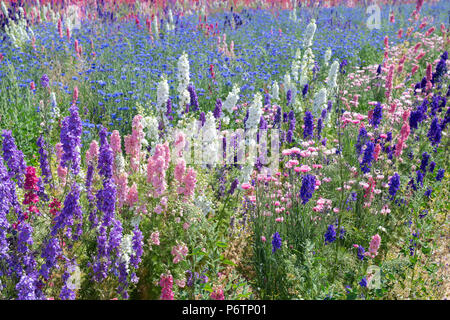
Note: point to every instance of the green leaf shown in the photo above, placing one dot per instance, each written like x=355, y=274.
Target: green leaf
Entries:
x=221, y=244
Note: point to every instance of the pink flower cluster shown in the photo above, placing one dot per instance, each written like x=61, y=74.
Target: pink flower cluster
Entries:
x=156, y=169
x=92, y=152
x=217, y=294
x=187, y=181
x=166, y=283
x=374, y=246
x=179, y=252
x=133, y=142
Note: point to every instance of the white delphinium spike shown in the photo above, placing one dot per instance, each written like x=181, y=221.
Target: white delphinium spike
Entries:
x=327, y=57
x=332, y=76
x=185, y=99
x=232, y=99
x=309, y=34
x=126, y=250
x=155, y=27
x=162, y=95
x=183, y=75
x=254, y=112
x=150, y=125
x=287, y=82
x=210, y=142
x=4, y=9
x=275, y=91
x=294, y=69
x=320, y=100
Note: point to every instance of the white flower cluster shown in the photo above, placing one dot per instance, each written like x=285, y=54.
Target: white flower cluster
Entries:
x=17, y=31
x=254, y=113
x=309, y=33
x=210, y=150
x=46, y=9
x=183, y=80
x=231, y=99
x=126, y=250
x=290, y=85
x=293, y=14
x=204, y=204
x=327, y=57
x=254, y=116
x=74, y=281
x=246, y=173
x=150, y=126
x=155, y=27
x=54, y=112
x=72, y=18
x=320, y=99
x=306, y=66
x=162, y=95
x=169, y=24
x=275, y=91
x=332, y=77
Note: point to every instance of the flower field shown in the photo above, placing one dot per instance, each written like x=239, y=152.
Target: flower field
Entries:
x=237, y=150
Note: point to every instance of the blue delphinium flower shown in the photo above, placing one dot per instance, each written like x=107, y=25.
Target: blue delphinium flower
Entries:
x=366, y=162
x=308, y=187
x=137, y=245
x=13, y=158
x=362, y=137
x=193, y=96
x=363, y=282
x=276, y=242
x=71, y=131
x=309, y=125
x=377, y=115
x=289, y=97
x=45, y=168
x=435, y=132
x=305, y=90
x=45, y=81
x=330, y=235
x=218, y=109
x=202, y=118
x=106, y=158
x=233, y=186
x=361, y=252
x=424, y=162
x=71, y=210
x=440, y=175
x=419, y=178
x=394, y=185
x=26, y=287
x=432, y=166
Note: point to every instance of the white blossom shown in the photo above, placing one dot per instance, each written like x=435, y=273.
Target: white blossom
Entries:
x=275, y=91
x=309, y=33
x=183, y=74
x=320, y=99
x=232, y=99
x=162, y=95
